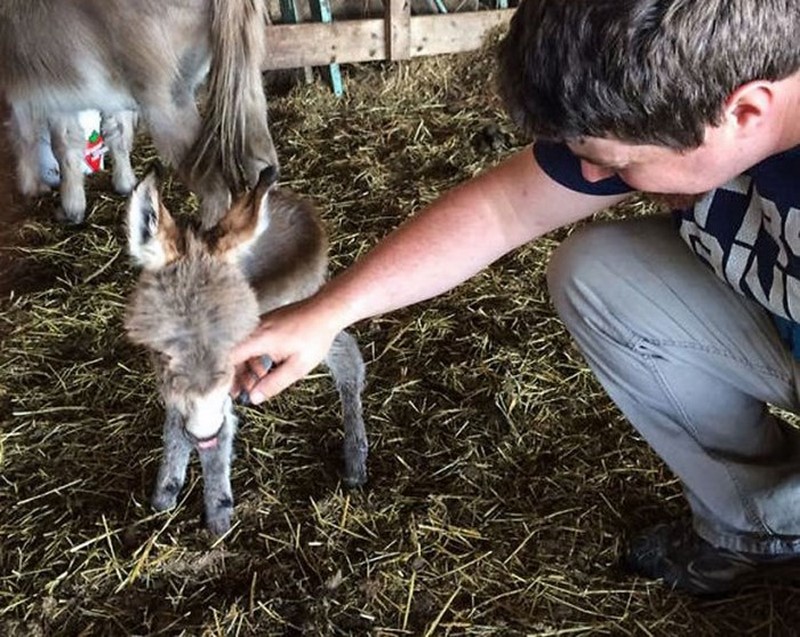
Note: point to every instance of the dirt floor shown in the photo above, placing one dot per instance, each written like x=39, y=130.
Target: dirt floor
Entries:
x=502, y=480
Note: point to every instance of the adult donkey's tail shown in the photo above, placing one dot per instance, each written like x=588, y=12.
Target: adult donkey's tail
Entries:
x=234, y=139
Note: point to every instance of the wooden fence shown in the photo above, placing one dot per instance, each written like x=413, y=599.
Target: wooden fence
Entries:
x=396, y=36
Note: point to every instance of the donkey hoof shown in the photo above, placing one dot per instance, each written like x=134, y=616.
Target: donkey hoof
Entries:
x=218, y=519
x=220, y=523
x=70, y=217
x=219, y=526
x=165, y=497
x=355, y=454
x=163, y=501
x=354, y=478
x=124, y=183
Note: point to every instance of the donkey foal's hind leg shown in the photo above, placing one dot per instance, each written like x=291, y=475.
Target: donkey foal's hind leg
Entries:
x=347, y=366
x=175, y=458
x=217, y=492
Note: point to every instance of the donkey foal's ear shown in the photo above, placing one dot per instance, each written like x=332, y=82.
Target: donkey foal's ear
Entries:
x=246, y=220
x=152, y=233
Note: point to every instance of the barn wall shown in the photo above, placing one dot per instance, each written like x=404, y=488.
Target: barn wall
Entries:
x=396, y=34
x=358, y=9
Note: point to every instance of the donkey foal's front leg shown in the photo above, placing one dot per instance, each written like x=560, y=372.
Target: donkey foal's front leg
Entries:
x=217, y=492
x=175, y=458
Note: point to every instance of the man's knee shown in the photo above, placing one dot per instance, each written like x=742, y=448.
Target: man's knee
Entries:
x=579, y=272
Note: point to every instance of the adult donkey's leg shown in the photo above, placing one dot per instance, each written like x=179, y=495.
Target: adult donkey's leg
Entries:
x=26, y=131
x=173, y=124
x=69, y=145
x=216, y=462
x=347, y=366
x=118, y=131
x=175, y=458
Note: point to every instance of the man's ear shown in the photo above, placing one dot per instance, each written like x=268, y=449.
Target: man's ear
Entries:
x=246, y=220
x=153, y=236
x=750, y=107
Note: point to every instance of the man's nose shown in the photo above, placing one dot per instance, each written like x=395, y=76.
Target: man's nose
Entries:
x=592, y=172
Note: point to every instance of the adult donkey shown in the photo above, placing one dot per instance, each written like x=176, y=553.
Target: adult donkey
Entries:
x=145, y=57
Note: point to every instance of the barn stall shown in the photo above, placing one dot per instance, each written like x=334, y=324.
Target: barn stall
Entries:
x=502, y=480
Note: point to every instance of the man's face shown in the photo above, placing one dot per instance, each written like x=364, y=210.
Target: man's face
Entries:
x=660, y=169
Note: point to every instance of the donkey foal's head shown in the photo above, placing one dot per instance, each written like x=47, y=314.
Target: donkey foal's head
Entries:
x=192, y=304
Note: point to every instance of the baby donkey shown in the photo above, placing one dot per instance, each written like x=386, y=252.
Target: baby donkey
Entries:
x=199, y=294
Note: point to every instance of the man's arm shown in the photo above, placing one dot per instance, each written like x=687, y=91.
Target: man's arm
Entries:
x=446, y=243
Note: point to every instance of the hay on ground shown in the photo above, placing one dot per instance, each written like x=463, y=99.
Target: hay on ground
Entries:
x=503, y=480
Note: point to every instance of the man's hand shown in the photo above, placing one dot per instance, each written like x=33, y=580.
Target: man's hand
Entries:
x=295, y=338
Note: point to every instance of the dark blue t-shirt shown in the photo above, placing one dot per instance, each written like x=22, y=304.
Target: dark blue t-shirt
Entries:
x=747, y=230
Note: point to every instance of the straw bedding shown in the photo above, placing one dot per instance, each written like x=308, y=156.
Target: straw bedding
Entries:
x=502, y=479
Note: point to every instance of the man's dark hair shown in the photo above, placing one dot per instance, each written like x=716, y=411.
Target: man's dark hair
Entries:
x=641, y=71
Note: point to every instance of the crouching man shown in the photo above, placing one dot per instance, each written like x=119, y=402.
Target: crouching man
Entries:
x=689, y=320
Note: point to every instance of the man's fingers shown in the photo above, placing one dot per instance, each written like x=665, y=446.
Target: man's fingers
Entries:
x=246, y=350
x=273, y=383
x=259, y=366
x=250, y=373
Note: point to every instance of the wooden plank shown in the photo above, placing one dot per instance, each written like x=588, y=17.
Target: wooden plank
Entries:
x=454, y=32
x=288, y=45
x=398, y=23
x=316, y=44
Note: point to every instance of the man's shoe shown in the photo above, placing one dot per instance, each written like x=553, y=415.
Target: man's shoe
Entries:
x=688, y=563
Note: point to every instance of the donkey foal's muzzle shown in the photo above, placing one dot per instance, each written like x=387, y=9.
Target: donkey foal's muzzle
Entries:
x=203, y=444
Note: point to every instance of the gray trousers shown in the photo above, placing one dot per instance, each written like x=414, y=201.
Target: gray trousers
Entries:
x=692, y=365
